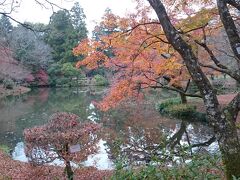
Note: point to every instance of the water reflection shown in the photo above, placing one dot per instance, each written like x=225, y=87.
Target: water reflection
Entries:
x=99, y=160
x=145, y=136
x=134, y=130
x=18, y=113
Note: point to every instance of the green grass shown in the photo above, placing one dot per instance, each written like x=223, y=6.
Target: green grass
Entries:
x=4, y=148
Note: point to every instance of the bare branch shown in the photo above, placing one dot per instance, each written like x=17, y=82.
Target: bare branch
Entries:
x=207, y=143
x=27, y=26
x=6, y=9
x=193, y=29
x=231, y=73
x=234, y=3
x=210, y=53
x=227, y=54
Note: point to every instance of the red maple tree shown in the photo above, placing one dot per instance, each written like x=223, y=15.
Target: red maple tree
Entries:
x=64, y=138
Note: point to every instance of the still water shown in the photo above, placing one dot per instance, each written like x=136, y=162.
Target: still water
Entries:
x=139, y=125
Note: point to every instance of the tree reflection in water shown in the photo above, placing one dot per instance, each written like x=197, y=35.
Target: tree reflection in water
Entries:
x=145, y=137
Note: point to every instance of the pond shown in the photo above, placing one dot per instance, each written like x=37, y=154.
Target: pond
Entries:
x=136, y=126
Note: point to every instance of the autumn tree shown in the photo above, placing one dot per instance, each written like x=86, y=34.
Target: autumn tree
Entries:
x=64, y=137
x=134, y=59
x=99, y=30
x=102, y=29
x=222, y=120
x=164, y=53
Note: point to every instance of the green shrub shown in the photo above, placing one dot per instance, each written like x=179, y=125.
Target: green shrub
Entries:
x=8, y=83
x=52, y=81
x=200, y=167
x=4, y=148
x=149, y=172
x=62, y=81
x=161, y=107
x=173, y=107
x=238, y=125
x=182, y=111
x=100, y=80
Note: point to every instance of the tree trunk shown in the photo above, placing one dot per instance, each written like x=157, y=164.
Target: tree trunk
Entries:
x=68, y=167
x=69, y=170
x=230, y=28
x=183, y=98
x=230, y=148
x=176, y=138
x=222, y=122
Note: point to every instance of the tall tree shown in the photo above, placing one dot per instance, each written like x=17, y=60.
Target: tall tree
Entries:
x=78, y=20
x=147, y=52
x=103, y=30
x=59, y=34
x=66, y=29
x=222, y=120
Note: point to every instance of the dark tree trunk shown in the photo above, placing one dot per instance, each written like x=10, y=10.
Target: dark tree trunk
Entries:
x=183, y=98
x=68, y=167
x=230, y=27
x=234, y=3
x=69, y=170
x=230, y=149
x=176, y=138
x=222, y=122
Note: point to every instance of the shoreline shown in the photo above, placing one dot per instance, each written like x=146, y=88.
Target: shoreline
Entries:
x=16, y=91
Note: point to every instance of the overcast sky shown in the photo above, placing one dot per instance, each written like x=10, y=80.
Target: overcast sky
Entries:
x=94, y=9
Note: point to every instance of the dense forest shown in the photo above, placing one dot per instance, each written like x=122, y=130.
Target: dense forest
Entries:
x=36, y=54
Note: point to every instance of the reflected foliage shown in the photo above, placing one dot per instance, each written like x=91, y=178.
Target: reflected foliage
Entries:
x=155, y=139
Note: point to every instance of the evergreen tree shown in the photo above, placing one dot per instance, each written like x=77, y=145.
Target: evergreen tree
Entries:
x=78, y=20
x=66, y=29
x=59, y=35
x=5, y=29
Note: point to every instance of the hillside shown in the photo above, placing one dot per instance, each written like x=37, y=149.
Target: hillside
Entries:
x=11, y=68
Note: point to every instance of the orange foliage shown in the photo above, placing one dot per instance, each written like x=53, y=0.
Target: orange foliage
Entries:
x=142, y=55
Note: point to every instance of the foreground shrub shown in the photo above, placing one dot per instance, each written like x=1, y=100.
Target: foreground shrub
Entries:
x=200, y=167
x=63, y=137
